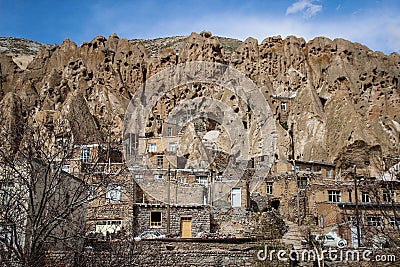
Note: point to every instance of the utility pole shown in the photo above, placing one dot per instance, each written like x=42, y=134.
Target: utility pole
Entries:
x=291, y=134
x=357, y=214
x=169, y=200
x=211, y=189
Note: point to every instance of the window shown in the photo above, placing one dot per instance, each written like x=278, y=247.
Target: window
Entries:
x=308, y=169
x=394, y=222
x=202, y=180
x=90, y=192
x=172, y=146
x=152, y=148
x=65, y=168
x=236, y=197
x=328, y=173
x=85, y=155
x=160, y=161
x=283, y=106
x=389, y=195
x=318, y=168
x=298, y=169
x=269, y=187
x=182, y=180
x=169, y=131
x=365, y=197
x=301, y=182
x=158, y=176
x=155, y=218
x=138, y=176
x=113, y=193
x=374, y=221
x=334, y=195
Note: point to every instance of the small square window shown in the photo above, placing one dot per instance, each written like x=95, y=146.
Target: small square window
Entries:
x=113, y=193
x=152, y=148
x=85, y=155
x=333, y=195
x=155, y=218
x=172, y=146
x=374, y=221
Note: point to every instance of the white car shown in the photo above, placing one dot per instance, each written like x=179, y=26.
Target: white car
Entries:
x=150, y=234
x=331, y=240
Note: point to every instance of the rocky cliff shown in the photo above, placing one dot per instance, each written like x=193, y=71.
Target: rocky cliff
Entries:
x=342, y=99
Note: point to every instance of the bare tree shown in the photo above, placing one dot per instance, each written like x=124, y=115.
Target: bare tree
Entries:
x=43, y=206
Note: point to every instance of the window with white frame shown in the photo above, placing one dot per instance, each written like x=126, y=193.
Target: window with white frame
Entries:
x=269, y=187
x=138, y=176
x=182, y=180
x=113, y=193
x=334, y=195
x=85, y=155
x=283, y=106
x=169, y=131
x=365, y=197
x=202, y=180
x=374, y=221
x=394, y=222
x=173, y=146
x=152, y=147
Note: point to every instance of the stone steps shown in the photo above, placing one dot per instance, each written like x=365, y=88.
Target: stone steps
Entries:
x=293, y=236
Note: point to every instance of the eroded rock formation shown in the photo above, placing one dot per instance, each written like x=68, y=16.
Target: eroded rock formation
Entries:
x=343, y=100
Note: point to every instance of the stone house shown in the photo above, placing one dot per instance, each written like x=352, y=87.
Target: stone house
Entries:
x=182, y=220
x=317, y=197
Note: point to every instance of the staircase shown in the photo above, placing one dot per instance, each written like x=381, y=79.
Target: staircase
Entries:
x=293, y=236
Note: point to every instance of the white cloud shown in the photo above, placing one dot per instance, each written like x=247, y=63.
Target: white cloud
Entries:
x=305, y=6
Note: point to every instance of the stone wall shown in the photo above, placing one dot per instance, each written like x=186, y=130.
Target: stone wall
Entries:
x=200, y=218
x=163, y=253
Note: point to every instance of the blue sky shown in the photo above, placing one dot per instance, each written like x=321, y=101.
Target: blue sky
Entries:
x=374, y=23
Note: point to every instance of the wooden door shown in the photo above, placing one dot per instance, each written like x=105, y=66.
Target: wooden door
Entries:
x=186, y=227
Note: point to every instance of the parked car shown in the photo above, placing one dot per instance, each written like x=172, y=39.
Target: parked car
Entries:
x=150, y=234
x=331, y=240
